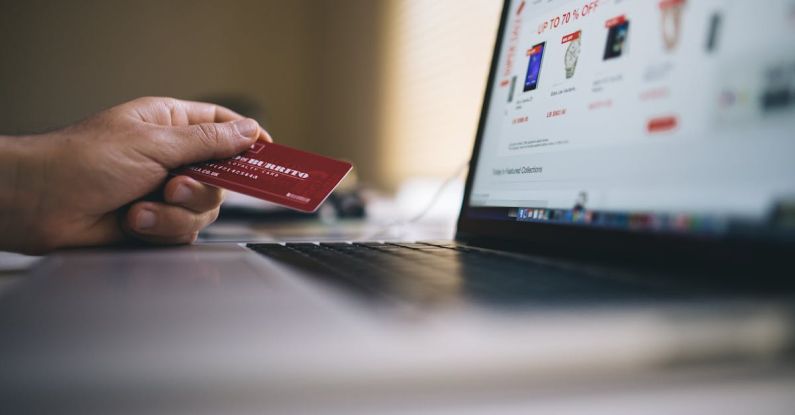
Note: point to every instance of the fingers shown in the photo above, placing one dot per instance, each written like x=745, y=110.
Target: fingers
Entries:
x=180, y=113
x=178, y=146
x=166, y=224
x=190, y=194
x=202, y=112
x=190, y=207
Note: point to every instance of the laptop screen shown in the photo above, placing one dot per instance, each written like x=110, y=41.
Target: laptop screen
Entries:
x=645, y=116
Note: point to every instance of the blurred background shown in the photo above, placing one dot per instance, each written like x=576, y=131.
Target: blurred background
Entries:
x=395, y=86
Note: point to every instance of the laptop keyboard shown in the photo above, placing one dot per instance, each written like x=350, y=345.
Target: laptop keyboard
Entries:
x=427, y=271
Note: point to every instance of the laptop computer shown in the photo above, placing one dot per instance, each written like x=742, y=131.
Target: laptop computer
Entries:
x=629, y=207
x=647, y=134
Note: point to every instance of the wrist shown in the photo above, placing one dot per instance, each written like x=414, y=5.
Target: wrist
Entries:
x=22, y=177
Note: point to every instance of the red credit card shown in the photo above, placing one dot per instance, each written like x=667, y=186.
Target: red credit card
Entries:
x=276, y=173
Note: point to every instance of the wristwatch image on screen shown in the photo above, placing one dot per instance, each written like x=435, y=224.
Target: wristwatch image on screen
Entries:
x=671, y=25
x=572, y=55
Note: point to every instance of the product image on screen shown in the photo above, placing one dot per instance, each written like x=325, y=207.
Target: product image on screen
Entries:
x=536, y=54
x=616, y=38
x=712, y=34
x=572, y=52
x=671, y=25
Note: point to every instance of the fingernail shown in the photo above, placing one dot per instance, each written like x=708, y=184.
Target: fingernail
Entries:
x=145, y=220
x=181, y=194
x=247, y=127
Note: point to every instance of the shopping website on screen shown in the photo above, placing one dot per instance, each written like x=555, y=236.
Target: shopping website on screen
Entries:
x=648, y=105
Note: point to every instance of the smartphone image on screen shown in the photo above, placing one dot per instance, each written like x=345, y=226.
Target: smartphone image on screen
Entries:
x=536, y=54
x=616, y=40
x=513, y=88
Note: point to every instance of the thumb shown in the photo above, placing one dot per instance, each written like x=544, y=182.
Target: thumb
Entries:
x=200, y=142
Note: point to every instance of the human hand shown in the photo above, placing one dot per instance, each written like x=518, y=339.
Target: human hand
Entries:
x=106, y=179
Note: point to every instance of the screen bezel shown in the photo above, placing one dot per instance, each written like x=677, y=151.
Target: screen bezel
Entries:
x=599, y=243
